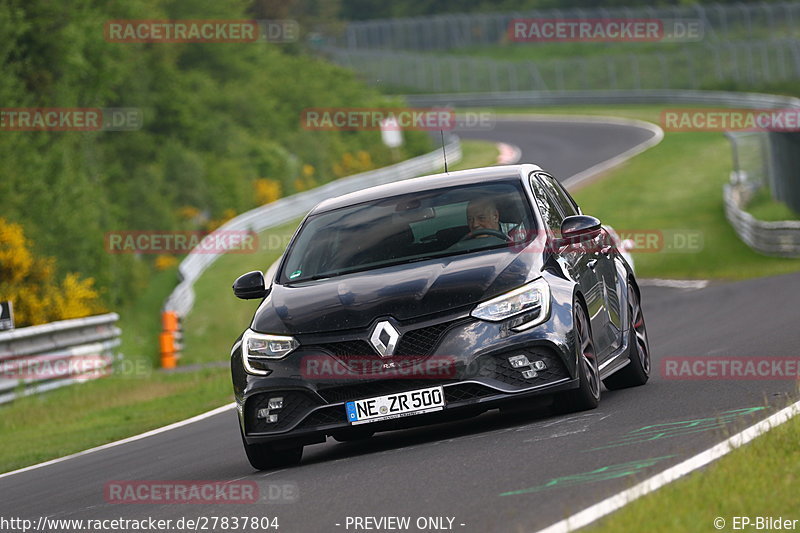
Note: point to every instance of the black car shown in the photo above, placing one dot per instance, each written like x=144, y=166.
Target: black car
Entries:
x=431, y=299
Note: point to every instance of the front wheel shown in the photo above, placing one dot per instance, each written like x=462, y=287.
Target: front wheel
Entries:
x=587, y=395
x=266, y=457
x=637, y=372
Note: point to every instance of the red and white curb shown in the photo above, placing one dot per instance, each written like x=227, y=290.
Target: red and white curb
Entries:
x=508, y=154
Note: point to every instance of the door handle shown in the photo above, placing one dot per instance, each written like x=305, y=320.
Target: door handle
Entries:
x=592, y=264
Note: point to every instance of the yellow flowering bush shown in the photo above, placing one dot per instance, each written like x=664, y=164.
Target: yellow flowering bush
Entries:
x=353, y=164
x=266, y=190
x=163, y=262
x=29, y=282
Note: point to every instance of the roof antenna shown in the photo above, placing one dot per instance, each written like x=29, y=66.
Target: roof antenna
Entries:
x=444, y=152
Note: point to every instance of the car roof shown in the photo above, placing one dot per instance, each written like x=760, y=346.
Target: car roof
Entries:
x=434, y=181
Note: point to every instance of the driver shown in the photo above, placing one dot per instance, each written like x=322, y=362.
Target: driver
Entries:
x=482, y=214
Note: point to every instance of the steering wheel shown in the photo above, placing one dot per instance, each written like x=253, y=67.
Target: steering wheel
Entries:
x=490, y=232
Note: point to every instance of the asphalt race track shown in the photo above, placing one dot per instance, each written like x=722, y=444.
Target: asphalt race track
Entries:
x=509, y=472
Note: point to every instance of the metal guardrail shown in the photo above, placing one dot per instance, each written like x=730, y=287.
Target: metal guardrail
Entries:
x=770, y=238
x=753, y=168
x=40, y=358
x=287, y=209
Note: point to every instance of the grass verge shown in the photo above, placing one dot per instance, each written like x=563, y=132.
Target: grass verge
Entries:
x=763, y=207
x=758, y=479
x=140, y=321
x=74, y=418
x=476, y=154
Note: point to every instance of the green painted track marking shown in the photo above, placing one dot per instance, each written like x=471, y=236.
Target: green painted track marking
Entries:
x=676, y=429
x=601, y=474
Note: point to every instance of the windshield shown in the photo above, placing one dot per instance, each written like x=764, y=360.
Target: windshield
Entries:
x=410, y=227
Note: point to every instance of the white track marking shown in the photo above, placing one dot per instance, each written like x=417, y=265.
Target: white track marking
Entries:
x=150, y=433
x=577, y=179
x=694, y=284
x=619, y=500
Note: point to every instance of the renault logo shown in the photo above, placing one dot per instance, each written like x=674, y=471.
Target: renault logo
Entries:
x=384, y=338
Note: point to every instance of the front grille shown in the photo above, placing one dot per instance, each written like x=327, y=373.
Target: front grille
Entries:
x=349, y=348
x=498, y=367
x=414, y=346
x=374, y=388
x=422, y=341
x=295, y=405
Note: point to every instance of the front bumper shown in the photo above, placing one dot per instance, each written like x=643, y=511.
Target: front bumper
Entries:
x=477, y=377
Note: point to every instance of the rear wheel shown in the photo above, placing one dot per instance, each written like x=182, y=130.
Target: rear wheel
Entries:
x=267, y=457
x=637, y=372
x=587, y=395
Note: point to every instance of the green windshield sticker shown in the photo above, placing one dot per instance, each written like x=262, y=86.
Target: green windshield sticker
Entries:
x=295, y=274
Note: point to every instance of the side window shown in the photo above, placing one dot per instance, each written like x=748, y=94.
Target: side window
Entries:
x=552, y=218
x=565, y=203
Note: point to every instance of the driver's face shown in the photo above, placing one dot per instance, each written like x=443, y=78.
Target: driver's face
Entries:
x=482, y=215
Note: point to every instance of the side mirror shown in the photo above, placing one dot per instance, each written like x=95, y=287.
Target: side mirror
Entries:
x=250, y=286
x=579, y=228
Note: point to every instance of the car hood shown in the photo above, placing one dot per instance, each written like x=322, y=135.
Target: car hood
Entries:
x=404, y=292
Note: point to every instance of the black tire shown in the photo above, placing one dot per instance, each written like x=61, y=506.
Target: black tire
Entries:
x=266, y=457
x=587, y=395
x=637, y=372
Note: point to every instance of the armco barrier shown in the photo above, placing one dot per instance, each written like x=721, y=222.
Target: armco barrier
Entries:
x=770, y=238
x=286, y=209
x=45, y=357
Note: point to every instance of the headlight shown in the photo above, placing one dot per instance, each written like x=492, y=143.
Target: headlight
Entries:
x=259, y=347
x=531, y=302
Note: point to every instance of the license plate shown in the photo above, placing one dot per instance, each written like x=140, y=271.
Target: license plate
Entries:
x=395, y=405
